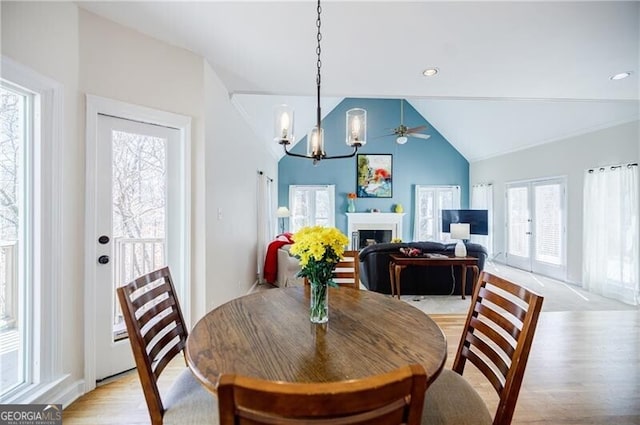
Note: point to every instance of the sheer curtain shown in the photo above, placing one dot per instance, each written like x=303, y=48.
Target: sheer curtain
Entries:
x=610, y=233
x=266, y=220
x=482, y=199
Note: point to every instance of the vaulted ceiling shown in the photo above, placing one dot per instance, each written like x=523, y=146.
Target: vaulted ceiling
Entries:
x=511, y=74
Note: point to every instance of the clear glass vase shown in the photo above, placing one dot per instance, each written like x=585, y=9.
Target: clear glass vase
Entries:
x=351, y=205
x=319, y=303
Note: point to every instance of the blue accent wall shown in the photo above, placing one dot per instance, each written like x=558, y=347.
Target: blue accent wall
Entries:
x=427, y=162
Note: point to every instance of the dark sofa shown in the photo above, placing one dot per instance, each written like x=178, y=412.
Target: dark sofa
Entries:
x=374, y=269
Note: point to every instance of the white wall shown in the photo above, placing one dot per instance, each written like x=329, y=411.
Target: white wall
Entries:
x=89, y=54
x=119, y=63
x=570, y=158
x=233, y=157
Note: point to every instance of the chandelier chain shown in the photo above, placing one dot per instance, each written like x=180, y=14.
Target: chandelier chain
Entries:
x=318, y=65
x=319, y=48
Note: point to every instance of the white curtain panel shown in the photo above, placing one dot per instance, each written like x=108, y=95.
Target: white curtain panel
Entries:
x=610, y=233
x=266, y=220
x=482, y=199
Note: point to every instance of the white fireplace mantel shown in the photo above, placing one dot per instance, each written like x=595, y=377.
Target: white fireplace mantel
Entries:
x=374, y=221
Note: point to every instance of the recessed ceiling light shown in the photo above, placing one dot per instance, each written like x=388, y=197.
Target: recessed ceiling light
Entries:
x=620, y=76
x=430, y=72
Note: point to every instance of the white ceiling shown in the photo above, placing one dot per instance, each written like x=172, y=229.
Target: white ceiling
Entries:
x=512, y=74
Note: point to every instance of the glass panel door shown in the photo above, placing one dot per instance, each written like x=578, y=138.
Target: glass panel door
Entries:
x=134, y=210
x=536, y=227
x=518, y=226
x=549, y=225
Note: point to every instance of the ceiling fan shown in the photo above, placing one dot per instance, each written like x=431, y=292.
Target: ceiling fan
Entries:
x=402, y=132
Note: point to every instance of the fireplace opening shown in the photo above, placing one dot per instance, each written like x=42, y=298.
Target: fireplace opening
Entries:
x=371, y=237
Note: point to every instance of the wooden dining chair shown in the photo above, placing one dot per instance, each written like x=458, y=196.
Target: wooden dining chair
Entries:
x=158, y=333
x=347, y=271
x=496, y=339
x=391, y=399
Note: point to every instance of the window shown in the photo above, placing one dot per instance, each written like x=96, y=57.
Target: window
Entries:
x=16, y=137
x=430, y=201
x=30, y=223
x=482, y=199
x=311, y=206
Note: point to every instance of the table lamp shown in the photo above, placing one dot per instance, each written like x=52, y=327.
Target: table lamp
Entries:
x=282, y=213
x=460, y=231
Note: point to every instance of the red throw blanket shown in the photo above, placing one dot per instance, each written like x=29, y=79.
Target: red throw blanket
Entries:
x=271, y=260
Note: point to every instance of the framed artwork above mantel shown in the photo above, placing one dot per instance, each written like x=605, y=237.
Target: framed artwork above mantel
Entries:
x=374, y=174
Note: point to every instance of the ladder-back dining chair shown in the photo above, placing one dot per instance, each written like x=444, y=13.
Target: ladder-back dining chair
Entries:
x=347, y=271
x=158, y=333
x=496, y=339
x=393, y=398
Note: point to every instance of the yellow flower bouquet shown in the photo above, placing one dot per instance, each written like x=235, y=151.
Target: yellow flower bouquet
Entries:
x=319, y=249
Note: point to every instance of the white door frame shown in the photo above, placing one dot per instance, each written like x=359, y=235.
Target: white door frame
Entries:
x=100, y=105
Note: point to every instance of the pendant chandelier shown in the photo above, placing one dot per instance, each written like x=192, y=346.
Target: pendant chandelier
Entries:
x=356, y=121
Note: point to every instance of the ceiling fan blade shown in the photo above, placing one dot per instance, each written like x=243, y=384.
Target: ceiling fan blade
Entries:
x=419, y=135
x=418, y=128
x=383, y=135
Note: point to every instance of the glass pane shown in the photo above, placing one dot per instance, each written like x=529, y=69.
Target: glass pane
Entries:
x=322, y=207
x=13, y=141
x=299, y=210
x=548, y=203
x=139, y=208
x=445, y=202
x=426, y=211
x=518, y=211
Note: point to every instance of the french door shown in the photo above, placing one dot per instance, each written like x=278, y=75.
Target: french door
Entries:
x=137, y=208
x=536, y=223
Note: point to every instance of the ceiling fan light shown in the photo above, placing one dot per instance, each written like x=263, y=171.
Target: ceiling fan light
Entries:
x=401, y=140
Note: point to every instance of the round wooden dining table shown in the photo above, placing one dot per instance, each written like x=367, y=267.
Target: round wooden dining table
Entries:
x=268, y=335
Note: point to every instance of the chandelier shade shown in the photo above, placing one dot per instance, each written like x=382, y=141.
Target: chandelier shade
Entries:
x=356, y=127
x=283, y=124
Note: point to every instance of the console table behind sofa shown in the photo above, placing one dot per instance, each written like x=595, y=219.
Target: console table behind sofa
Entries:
x=374, y=269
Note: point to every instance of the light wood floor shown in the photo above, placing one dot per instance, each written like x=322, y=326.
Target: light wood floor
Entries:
x=584, y=368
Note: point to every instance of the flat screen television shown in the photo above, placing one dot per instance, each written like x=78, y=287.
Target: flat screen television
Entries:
x=478, y=220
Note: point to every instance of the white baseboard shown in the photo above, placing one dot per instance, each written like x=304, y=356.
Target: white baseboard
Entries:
x=58, y=392
x=254, y=286
x=69, y=394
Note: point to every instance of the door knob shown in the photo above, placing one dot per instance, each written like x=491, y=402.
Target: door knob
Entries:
x=528, y=233
x=103, y=259
x=104, y=239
